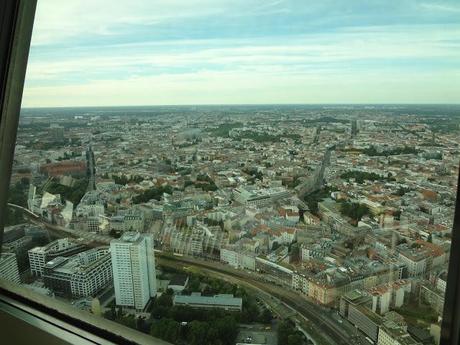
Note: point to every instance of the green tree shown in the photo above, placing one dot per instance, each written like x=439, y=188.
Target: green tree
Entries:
x=128, y=321
x=266, y=316
x=72, y=194
x=119, y=312
x=166, y=329
x=197, y=332
x=430, y=238
x=172, y=331
x=295, y=339
x=227, y=329
x=165, y=300
x=159, y=311
x=361, y=176
x=354, y=210
x=284, y=331
x=152, y=193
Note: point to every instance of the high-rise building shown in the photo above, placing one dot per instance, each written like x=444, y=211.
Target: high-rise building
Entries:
x=354, y=128
x=133, y=265
x=56, y=132
x=9, y=268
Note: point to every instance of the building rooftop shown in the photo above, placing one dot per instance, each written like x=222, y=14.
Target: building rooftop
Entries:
x=356, y=296
x=79, y=262
x=224, y=299
x=130, y=237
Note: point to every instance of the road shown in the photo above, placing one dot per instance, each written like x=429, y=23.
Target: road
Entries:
x=317, y=180
x=91, y=169
x=308, y=314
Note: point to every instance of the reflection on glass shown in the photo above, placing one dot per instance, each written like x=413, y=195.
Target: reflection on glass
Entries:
x=223, y=224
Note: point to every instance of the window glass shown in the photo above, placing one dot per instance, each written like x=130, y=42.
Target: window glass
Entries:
x=259, y=172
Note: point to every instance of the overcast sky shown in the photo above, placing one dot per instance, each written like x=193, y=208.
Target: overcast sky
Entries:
x=149, y=52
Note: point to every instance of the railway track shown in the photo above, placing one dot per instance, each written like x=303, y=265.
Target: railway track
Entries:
x=311, y=313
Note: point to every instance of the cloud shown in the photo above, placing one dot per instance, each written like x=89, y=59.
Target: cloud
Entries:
x=442, y=6
x=320, y=50
x=242, y=88
x=59, y=21
x=186, y=48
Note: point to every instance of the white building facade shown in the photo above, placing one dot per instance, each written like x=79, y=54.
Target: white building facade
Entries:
x=37, y=260
x=133, y=265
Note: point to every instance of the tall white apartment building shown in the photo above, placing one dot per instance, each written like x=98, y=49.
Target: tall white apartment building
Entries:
x=9, y=268
x=133, y=264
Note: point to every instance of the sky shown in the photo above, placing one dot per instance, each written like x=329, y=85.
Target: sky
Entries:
x=173, y=52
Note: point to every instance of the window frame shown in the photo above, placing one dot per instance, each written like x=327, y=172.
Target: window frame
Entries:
x=63, y=321
x=450, y=327
x=16, y=23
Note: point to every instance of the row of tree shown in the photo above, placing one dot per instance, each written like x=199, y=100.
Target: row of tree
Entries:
x=372, y=151
x=123, y=179
x=361, y=176
x=221, y=331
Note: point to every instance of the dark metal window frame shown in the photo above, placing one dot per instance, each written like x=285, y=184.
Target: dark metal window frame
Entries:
x=16, y=22
x=63, y=321
x=450, y=328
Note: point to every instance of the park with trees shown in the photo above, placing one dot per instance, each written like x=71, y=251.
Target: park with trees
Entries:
x=361, y=176
x=354, y=210
x=184, y=325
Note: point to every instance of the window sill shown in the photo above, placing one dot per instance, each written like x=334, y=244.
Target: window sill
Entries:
x=63, y=322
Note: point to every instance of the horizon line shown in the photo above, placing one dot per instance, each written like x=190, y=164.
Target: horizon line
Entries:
x=241, y=104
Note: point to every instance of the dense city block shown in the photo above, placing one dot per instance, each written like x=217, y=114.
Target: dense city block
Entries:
x=275, y=220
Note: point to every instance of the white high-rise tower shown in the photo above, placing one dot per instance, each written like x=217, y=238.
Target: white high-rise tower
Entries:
x=133, y=263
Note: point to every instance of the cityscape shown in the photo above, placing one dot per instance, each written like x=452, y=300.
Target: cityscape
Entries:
x=239, y=224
